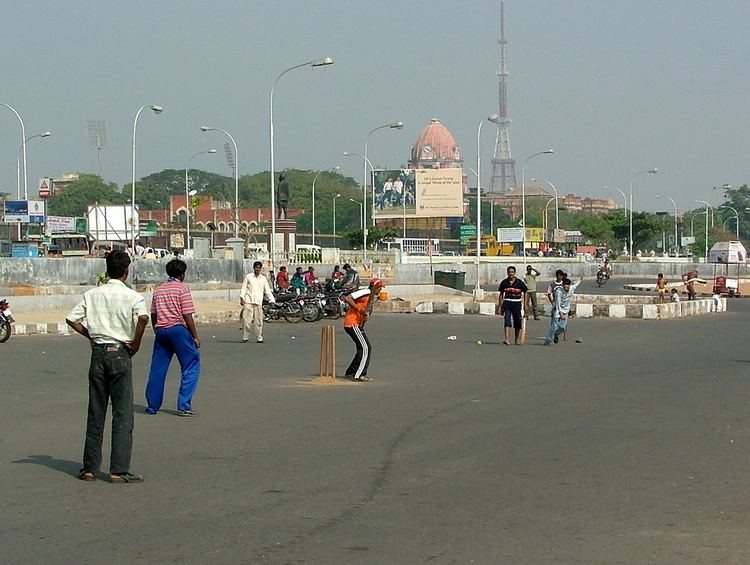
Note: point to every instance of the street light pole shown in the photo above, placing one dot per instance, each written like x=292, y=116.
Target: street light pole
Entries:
x=313, y=201
x=236, y=177
x=546, y=209
x=334, y=217
x=314, y=63
x=23, y=145
x=362, y=223
x=188, y=194
x=676, y=212
x=523, y=197
x=478, y=294
x=630, y=229
x=557, y=207
x=708, y=206
x=18, y=161
x=736, y=217
x=156, y=110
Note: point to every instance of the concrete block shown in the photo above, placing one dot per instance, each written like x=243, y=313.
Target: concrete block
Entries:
x=617, y=311
x=41, y=328
x=63, y=329
x=456, y=308
x=585, y=310
x=19, y=329
x=424, y=308
x=634, y=310
x=440, y=307
x=650, y=312
x=487, y=308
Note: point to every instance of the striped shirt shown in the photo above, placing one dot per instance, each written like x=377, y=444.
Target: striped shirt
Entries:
x=171, y=301
x=110, y=312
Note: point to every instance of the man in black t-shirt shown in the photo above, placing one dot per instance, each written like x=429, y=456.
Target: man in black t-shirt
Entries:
x=512, y=295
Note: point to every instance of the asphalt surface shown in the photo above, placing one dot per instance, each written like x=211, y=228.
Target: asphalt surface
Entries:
x=630, y=447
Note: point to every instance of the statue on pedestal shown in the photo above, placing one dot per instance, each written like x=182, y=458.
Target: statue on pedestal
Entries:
x=282, y=197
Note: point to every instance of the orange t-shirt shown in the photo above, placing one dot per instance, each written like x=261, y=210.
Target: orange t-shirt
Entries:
x=354, y=318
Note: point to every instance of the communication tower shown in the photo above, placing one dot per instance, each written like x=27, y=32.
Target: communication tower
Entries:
x=503, y=164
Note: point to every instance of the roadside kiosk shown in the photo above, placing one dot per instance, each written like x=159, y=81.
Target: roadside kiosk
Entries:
x=722, y=255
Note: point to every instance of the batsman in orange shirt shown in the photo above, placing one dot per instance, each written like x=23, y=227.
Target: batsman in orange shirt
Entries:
x=360, y=307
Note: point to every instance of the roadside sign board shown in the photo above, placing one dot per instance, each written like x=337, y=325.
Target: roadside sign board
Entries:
x=147, y=227
x=509, y=235
x=61, y=224
x=45, y=187
x=687, y=240
x=466, y=232
x=24, y=211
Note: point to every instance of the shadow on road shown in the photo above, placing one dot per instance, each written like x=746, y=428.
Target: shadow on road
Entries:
x=63, y=465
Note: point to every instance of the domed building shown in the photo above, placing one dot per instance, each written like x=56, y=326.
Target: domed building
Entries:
x=435, y=148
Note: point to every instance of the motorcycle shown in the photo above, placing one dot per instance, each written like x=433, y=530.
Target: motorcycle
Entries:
x=601, y=277
x=333, y=304
x=6, y=319
x=287, y=306
x=312, y=307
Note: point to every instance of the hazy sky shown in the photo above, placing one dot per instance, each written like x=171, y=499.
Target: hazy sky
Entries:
x=614, y=87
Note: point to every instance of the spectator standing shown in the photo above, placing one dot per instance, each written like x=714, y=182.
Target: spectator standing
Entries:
x=555, y=284
x=115, y=319
x=530, y=281
x=254, y=288
x=172, y=312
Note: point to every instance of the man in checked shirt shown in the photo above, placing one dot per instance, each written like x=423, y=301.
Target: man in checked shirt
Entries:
x=115, y=318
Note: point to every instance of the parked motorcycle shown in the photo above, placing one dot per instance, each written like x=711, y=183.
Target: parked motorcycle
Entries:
x=312, y=307
x=6, y=319
x=288, y=306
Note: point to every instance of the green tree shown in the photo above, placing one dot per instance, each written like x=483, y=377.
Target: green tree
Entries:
x=87, y=190
x=375, y=236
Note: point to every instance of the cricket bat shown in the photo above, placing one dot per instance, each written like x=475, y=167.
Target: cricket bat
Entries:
x=522, y=337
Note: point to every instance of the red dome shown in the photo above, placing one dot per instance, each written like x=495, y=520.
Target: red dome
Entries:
x=435, y=147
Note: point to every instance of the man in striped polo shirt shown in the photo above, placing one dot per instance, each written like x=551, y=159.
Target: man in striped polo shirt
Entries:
x=512, y=294
x=360, y=305
x=172, y=312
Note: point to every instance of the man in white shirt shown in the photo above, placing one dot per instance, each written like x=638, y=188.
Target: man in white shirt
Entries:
x=254, y=288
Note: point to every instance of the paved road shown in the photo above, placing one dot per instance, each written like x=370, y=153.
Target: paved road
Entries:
x=631, y=447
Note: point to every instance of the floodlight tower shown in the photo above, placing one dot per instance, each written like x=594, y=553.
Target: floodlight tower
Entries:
x=503, y=178
x=98, y=140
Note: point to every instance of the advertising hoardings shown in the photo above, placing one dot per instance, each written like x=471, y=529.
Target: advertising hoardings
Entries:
x=24, y=211
x=421, y=193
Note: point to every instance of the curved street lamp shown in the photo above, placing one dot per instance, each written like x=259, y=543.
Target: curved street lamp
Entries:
x=18, y=161
x=236, y=177
x=630, y=229
x=523, y=197
x=336, y=168
x=478, y=294
x=736, y=217
x=394, y=125
x=189, y=194
x=23, y=145
x=676, y=212
x=334, y=216
x=156, y=110
x=325, y=61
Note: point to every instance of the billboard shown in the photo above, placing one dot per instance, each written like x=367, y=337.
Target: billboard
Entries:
x=61, y=224
x=24, y=211
x=112, y=223
x=421, y=193
x=509, y=235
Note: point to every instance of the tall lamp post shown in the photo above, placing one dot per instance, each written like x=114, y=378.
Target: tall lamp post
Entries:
x=23, y=146
x=314, y=63
x=236, y=177
x=557, y=207
x=546, y=209
x=708, y=206
x=630, y=223
x=737, y=219
x=394, y=125
x=18, y=161
x=478, y=293
x=313, y=200
x=676, y=212
x=523, y=197
x=334, y=216
x=156, y=110
x=189, y=194
x=362, y=223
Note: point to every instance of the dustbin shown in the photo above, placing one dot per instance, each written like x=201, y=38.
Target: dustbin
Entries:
x=451, y=279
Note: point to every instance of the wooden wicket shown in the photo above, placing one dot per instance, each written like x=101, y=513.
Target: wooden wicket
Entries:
x=328, y=351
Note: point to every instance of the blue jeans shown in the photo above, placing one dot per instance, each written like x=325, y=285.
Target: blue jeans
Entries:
x=110, y=378
x=557, y=326
x=175, y=340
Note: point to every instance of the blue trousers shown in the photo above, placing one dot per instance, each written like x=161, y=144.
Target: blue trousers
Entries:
x=557, y=326
x=175, y=340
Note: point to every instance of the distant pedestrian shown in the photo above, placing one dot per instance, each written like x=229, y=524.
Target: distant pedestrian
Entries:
x=561, y=303
x=555, y=284
x=172, y=312
x=675, y=296
x=531, y=298
x=351, y=278
x=360, y=307
x=510, y=303
x=254, y=288
x=116, y=318
x=661, y=287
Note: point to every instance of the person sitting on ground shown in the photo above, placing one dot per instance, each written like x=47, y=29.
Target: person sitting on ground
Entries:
x=675, y=296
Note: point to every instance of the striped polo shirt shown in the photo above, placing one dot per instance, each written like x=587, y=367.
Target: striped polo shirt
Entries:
x=171, y=301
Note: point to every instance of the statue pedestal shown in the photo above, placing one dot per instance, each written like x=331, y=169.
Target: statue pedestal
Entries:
x=286, y=240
